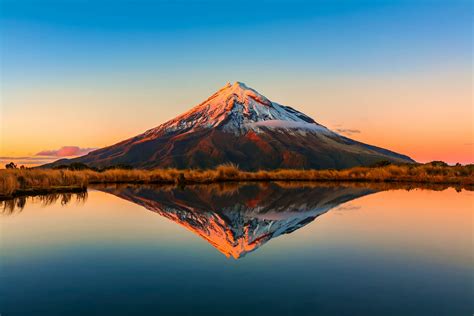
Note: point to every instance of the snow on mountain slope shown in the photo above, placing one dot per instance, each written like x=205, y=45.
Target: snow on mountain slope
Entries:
x=236, y=108
x=289, y=125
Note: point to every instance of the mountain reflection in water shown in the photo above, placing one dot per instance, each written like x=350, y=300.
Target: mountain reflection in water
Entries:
x=238, y=219
x=235, y=218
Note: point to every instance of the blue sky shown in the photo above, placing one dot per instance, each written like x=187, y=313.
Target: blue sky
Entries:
x=60, y=38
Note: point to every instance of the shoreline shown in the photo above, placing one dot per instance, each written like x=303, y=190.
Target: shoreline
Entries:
x=27, y=182
x=388, y=185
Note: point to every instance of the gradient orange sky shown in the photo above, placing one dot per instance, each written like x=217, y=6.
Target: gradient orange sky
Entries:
x=387, y=75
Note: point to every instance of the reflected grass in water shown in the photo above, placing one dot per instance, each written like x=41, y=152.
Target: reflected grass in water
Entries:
x=9, y=207
x=17, y=204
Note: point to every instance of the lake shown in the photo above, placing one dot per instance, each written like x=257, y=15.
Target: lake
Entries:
x=248, y=249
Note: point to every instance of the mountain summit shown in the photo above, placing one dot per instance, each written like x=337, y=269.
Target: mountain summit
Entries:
x=239, y=125
x=235, y=108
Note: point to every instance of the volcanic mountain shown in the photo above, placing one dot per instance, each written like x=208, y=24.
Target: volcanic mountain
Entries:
x=239, y=125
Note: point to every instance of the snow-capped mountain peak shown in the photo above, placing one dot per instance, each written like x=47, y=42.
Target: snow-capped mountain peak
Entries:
x=237, y=108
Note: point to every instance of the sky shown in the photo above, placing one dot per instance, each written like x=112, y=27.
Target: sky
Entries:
x=77, y=75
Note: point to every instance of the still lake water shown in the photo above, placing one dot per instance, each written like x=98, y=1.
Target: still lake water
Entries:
x=254, y=249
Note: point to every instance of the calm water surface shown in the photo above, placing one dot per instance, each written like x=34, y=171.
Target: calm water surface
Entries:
x=266, y=249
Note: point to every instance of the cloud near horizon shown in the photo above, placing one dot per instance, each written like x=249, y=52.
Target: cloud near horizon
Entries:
x=348, y=131
x=65, y=151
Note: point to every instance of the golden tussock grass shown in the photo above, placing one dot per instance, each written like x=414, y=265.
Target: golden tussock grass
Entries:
x=22, y=181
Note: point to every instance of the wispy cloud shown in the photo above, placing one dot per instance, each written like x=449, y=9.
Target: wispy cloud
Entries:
x=340, y=210
x=348, y=207
x=348, y=131
x=24, y=158
x=66, y=151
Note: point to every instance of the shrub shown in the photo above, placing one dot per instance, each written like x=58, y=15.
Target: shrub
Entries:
x=438, y=163
x=11, y=165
